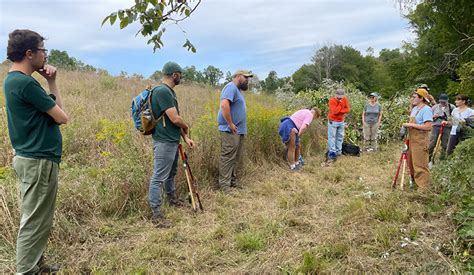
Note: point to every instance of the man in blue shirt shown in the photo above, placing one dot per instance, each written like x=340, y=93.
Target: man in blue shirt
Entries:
x=232, y=124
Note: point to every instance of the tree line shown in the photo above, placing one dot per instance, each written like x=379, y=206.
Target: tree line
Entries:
x=442, y=57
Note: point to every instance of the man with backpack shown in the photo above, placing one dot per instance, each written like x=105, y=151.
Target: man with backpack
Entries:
x=441, y=112
x=33, y=126
x=166, y=137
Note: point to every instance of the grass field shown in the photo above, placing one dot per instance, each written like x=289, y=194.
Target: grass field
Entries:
x=344, y=218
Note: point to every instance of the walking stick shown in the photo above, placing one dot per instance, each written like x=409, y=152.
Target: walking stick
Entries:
x=438, y=143
x=192, y=185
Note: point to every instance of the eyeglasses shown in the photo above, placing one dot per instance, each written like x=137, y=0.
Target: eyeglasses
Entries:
x=43, y=50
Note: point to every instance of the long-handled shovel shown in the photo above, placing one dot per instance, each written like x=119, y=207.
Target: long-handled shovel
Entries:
x=438, y=143
x=192, y=185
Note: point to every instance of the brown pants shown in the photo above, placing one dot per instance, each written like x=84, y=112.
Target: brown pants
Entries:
x=418, y=157
x=231, y=156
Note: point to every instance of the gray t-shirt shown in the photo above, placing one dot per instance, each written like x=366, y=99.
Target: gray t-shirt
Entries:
x=443, y=112
x=372, y=113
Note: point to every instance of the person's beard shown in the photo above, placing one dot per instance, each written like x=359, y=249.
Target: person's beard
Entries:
x=39, y=66
x=244, y=86
x=177, y=81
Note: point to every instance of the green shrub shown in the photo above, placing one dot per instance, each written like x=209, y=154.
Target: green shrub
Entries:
x=454, y=185
x=262, y=143
x=394, y=109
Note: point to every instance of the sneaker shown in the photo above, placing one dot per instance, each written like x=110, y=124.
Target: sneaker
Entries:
x=295, y=169
x=159, y=220
x=301, y=160
x=299, y=166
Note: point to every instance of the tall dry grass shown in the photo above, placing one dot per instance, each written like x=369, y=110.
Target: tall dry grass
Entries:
x=107, y=164
x=341, y=219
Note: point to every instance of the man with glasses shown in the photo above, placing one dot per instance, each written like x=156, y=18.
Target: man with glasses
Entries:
x=166, y=138
x=33, y=126
x=232, y=124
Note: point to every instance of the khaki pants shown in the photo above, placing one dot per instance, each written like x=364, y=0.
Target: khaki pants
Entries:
x=231, y=157
x=38, y=180
x=418, y=157
x=370, y=135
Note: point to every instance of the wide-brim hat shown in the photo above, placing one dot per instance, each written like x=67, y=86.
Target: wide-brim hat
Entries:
x=423, y=93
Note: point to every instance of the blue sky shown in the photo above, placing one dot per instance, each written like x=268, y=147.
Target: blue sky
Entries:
x=260, y=35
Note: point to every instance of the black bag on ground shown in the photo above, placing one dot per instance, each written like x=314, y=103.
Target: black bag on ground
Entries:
x=350, y=150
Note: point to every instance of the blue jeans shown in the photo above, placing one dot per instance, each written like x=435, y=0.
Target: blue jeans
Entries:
x=335, y=138
x=165, y=165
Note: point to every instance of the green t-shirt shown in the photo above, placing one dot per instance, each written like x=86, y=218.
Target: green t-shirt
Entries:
x=33, y=133
x=162, y=99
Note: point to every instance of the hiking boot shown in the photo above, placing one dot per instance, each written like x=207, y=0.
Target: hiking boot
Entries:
x=175, y=202
x=328, y=162
x=48, y=269
x=159, y=220
x=236, y=185
x=227, y=190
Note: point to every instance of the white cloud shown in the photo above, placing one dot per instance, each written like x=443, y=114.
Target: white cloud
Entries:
x=256, y=34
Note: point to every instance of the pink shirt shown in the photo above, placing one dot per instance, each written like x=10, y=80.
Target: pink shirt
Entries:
x=302, y=117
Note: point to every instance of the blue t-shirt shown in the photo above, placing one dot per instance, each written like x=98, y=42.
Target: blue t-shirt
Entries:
x=238, y=110
x=423, y=115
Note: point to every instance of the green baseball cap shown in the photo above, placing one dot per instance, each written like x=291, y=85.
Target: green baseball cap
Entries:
x=171, y=67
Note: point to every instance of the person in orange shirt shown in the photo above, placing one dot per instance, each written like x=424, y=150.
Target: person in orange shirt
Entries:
x=338, y=108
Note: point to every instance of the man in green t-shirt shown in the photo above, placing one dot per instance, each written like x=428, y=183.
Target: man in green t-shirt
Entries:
x=166, y=139
x=33, y=126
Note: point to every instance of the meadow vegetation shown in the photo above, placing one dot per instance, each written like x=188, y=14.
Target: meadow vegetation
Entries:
x=344, y=218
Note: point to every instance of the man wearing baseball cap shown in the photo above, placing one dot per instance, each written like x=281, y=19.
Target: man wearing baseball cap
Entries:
x=419, y=127
x=166, y=139
x=441, y=112
x=232, y=125
x=338, y=108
